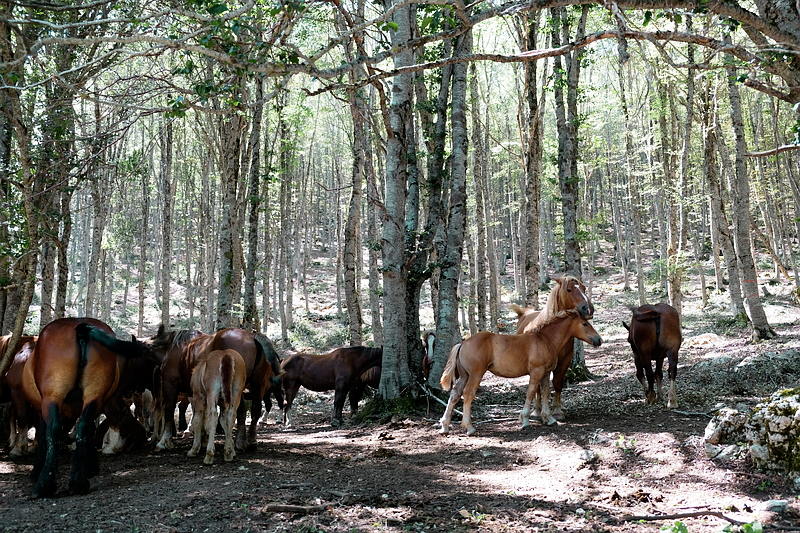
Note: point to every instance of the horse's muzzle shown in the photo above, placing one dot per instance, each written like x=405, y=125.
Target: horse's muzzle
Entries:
x=597, y=341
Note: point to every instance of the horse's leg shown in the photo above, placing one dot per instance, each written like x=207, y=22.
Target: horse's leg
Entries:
x=559, y=378
x=228, y=417
x=340, y=395
x=544, y=392
x=640, y=372
x=198, y=414
x=241, y=426
x=650, y=394
x=659, y=374
x=525, y=414
x=255, y=414
x=41, y=449
x=46, y=482
x=84, y=449
x=355, y=396
x=455, y=395
x=211, y=417
x=672, y=373
x=470, y=388
x=291, y=389
x=169, y=398
x=182, y=424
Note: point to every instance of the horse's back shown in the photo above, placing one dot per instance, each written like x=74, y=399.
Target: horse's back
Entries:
x=655, y=328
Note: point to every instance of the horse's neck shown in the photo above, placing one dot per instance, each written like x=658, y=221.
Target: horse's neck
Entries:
x=557, y=334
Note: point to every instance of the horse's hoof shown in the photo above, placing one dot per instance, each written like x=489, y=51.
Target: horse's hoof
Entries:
x=208, y=459
x=79, y=486
x=230, y=456
x=44, y=491
x=524, y=424
x=550, y=421
x=191, y=453
x=672, y=404
x=444, y=431
x=470, y=431
x=336, y=422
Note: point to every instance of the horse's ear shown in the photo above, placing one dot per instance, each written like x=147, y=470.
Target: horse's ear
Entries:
x=133, y=338
x=160, y=330
x=557, y=279
x=626, y=326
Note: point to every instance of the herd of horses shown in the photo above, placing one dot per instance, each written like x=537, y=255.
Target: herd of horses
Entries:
x=76, y=373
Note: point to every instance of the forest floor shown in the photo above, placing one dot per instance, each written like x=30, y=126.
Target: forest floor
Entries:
x=614, y=456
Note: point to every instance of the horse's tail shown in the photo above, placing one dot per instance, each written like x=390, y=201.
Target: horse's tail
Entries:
x=264, y=347
x=226, y=374
x=517, y=309
x=450, y=371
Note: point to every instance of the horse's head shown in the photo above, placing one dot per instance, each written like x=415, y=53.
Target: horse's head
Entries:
x=572, y=295
x=164, y=340
x=582, y=329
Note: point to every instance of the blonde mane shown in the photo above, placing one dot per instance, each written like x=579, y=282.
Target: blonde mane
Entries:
x=553, y=305
x=560, y=315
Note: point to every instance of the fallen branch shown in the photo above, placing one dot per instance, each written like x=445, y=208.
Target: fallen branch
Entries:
x=430, y=394
x=300, y=509
x=650, y=518
x=692, y=413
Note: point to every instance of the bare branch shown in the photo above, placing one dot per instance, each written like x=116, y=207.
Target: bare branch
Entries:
x=775, y=151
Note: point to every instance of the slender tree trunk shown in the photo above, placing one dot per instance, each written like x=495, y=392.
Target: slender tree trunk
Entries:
x=167, y=195
x=250, y=319
x=740, y=192
x=230, y=128
x=447, y=326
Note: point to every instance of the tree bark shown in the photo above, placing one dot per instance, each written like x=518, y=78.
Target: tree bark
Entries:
x=250, y=319
x=167, y=193
x=740, y=192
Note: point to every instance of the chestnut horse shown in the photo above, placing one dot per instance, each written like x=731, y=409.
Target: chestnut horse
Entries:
x=21, y=416
x=340, y=370
x=655, y=333
x=569, y=293
x=510, y=356
x=182, y=351
x=218, y=377
x=72, y=373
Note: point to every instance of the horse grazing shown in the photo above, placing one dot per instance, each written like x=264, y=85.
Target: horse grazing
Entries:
x=511, y=356
x=21, y=415
x=73, y=372
x=655, y=333
x=218, y=377
x=183, y=349
x=569, y=293
x=340, y=370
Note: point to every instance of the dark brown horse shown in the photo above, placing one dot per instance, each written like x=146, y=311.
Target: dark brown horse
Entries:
x=72, y=374
x=569, y=293
x=21, y=415
x=183, y=349
x=511, y=356
x=340, y=370
x=655, y=333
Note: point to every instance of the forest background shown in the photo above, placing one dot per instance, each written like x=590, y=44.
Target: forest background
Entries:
x=194, y=163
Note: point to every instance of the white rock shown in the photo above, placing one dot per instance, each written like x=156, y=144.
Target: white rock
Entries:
x=776, y=506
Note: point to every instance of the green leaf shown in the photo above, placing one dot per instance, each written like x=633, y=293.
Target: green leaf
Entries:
x=217, y=9
x=647, y=16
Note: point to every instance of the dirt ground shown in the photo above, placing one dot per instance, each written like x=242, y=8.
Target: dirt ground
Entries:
x=613, y=457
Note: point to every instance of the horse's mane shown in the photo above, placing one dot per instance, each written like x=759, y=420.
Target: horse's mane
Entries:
x=551, y=308
x=560, y=315
x=184, y=336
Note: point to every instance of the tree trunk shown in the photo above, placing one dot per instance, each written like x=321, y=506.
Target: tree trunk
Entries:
x=167, y=192
x=447, y=326
x=230, y=128
x=740, y=192
x=395, y=374
x=250, y=319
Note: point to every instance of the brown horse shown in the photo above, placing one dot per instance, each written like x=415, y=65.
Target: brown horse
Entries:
x=182, y=350
x=218, y=378
x=569, y=293
x=511, y=356
x=655, y=333
x=72, y=373
x=340, y=370
x=21, y=416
